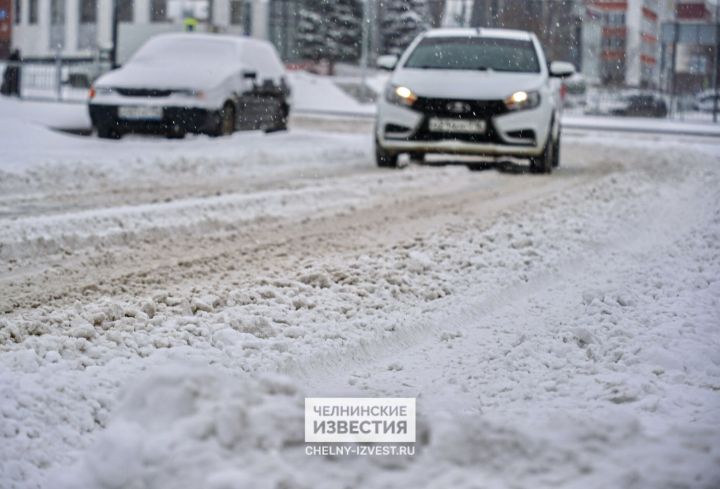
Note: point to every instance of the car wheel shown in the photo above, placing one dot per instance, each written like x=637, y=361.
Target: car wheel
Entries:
x=224, y=121
x=281, y=119
x=176, y=132
x=385, y=159
x=544, y=162
x=108, y=132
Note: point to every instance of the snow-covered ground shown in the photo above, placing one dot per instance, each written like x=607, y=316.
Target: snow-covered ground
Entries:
x=166, y=305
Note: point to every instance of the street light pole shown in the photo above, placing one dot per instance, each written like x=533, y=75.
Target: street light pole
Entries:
x=717, y=61
x=365, y=52
x=115, y=21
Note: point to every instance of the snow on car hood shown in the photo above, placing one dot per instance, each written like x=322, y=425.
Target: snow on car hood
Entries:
x=167, y=76
x=477, y=85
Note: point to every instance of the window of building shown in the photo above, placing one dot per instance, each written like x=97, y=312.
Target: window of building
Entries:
x=158, y=10
x=247, y=19
x=613, y=43
x=88, y=11
x=18, y=11
x=57, y=12
x=33, y=12
x=614, y=19
x=236, y=12
x=126, y=10
x=698, y=64
x=57, y=24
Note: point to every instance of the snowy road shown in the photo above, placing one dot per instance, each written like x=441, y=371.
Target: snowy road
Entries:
x=166, y=306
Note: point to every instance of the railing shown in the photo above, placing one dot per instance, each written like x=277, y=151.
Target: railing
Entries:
x=66, y=80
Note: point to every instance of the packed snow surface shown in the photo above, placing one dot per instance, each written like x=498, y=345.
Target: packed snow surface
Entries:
x=167, y=305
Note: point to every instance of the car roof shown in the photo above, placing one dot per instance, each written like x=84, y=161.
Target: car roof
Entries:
x=480, y=32
x=239, y=40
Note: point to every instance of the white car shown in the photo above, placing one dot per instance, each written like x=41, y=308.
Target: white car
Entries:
x=705, y=101
x=471, y=91
x=189, y=82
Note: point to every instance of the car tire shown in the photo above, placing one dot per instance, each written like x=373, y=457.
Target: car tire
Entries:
x=108, y=132
x=281, y=120
x=224, y=121
x=545, y=162
x=384, y=158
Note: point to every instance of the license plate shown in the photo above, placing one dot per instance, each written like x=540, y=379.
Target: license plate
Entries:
x=145, y=113
x=457, y=125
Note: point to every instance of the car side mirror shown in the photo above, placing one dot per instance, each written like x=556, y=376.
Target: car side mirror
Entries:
x=250, y=75
x=387, y=62
x=561, y=69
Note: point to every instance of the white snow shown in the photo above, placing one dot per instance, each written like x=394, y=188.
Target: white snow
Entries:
x=316, y=93
x=564, y=335
x=194, y=61
x=62, y=115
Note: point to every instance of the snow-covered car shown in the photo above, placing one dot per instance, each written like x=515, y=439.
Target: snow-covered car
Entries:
x=640, y=105
x=201, y=83
x=705, y=101
x=471, y=91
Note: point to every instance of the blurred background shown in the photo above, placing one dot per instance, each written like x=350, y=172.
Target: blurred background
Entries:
x=656, y=58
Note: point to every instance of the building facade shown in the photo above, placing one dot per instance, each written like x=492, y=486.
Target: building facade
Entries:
x=5, y=28
x=557, y=23
x=83, y=28
x=621, y=42
x=693, y=39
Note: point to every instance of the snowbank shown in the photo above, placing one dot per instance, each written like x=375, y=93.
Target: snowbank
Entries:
x=56, y=115
x=319, y=93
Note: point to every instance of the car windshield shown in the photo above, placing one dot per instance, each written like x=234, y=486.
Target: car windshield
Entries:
x=169, y=50
x=475, y=53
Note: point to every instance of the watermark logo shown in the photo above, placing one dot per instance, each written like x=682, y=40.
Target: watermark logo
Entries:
x=359, y=420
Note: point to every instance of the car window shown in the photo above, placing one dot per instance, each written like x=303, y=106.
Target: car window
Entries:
x=475, y=53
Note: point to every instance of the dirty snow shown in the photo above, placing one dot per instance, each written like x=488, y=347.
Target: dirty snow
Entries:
x=167, y=306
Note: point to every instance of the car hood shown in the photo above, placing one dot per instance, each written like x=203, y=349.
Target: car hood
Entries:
x=471, y=85
x=166, y=76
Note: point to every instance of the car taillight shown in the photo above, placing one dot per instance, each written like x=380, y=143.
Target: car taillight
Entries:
x=91, y=93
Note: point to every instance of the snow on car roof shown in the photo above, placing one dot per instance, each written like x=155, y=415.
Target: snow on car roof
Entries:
x=200, y=36
x=238, y=40
x=480, y=32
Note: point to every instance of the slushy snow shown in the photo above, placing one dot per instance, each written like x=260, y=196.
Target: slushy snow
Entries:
x=557, y=336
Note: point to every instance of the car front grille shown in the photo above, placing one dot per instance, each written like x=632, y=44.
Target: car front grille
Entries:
x=143, y=92
x=461, y=109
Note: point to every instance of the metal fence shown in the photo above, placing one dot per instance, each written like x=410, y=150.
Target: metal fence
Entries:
x=66, y=80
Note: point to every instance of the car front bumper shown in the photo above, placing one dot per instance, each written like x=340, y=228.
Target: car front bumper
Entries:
x=460, y=147
x=516, y=134
x=174, y=119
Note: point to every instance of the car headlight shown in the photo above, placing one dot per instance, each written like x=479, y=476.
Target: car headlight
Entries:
x=400, y=95
x=190, y=93
x=522, y=100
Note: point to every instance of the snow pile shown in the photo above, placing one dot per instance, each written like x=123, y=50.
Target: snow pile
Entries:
x=61, y=115
x=313, y=93
x=189, y=426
